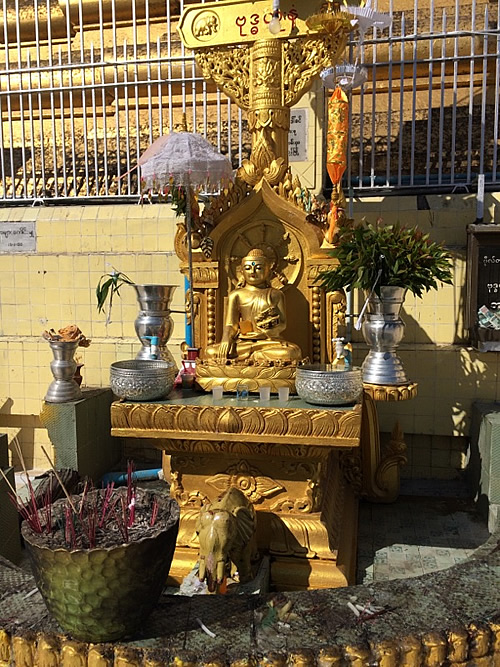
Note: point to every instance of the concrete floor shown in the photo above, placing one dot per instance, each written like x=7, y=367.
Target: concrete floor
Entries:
x=432, y=526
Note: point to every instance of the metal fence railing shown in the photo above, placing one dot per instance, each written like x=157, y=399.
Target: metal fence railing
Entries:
x=87, y=85
x=428, y=115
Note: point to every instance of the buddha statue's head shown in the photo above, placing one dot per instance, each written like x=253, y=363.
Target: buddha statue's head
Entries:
x=256, y=268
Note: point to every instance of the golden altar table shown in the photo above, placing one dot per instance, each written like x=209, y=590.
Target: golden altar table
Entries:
x=302, y=466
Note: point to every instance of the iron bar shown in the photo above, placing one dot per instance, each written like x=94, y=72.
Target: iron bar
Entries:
x=84, y=97
x=103, y=96
x=389, y=100
x=373, y=114
x=484, y=91
x=71, y=99
x=116, y=98
x=454, y=103
x=471, y=95
x=401, y=103
x=496, y=120
x=429, y=98
x=9, y=109
x=441, y=103
x=21, y=100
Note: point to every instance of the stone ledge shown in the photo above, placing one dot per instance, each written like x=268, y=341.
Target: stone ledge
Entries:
x=450, y=616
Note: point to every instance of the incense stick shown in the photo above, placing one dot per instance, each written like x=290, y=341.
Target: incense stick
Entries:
x=19, y=453
x=10, y=485
x=59, y=480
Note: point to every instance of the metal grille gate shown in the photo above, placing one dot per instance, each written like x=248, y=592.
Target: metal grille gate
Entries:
x=87, y=85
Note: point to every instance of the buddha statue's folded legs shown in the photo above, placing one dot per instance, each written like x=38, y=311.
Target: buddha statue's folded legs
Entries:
x=267, y=350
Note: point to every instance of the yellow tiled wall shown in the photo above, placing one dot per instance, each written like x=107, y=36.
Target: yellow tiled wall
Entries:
x=56, y=286
x=77, y=244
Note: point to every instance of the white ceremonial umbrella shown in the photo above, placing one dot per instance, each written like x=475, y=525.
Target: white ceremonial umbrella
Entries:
x=366, y=17
x=347, y=76
x=188, y=160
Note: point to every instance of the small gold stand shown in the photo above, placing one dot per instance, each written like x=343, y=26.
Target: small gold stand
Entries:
x=392, y=392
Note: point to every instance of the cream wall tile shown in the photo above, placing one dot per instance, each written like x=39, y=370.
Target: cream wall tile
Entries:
x=150, y=212
x=88, y=227
x=21, y=278
x=424, y=405
x=89, y=212
x=150, y=242
x=444, y=333
x=421, y=457
x=8, y=292
x=134, y=226
x=8, y=280
x=16, y=214
x=136, y=242
x=32, y=406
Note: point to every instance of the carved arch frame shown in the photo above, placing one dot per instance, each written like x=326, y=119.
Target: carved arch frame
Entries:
x=264, y=218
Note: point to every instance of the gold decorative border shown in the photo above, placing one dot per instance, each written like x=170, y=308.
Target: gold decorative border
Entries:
x=392, y=392
x=252, y=449
x=329, y=428
x=476, y=643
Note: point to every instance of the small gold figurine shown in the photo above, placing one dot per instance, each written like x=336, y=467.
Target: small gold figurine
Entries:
x=339, y=361
x=226, y=530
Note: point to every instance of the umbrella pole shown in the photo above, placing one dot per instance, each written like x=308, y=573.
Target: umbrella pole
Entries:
x=190, y=261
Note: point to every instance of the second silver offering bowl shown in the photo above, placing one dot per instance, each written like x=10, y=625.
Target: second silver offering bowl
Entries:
x=324, y=384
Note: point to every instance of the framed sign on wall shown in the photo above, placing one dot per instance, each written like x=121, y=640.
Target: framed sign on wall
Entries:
x=483, y=286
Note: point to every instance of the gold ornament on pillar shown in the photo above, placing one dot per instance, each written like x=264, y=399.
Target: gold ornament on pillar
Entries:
x=336, y=158
x=268, y=73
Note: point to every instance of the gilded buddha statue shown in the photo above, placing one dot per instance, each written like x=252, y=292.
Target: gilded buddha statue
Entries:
x=255, y=318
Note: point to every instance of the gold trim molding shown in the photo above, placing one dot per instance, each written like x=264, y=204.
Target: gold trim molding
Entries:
x=235, y=448
x=473, y=643
x=320, y=427
x=391, y=392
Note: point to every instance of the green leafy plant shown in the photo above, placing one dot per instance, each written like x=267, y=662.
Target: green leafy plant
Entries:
x=109, y=284
x=370, y=256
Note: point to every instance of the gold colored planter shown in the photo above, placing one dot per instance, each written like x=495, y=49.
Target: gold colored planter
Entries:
x=104, y=594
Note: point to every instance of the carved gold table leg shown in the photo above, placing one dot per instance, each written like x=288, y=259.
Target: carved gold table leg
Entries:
x=380, y=470
x=5, y=652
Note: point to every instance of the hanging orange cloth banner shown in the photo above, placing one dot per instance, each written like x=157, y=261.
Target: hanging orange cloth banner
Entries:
x=337, y=136
x=336, y=156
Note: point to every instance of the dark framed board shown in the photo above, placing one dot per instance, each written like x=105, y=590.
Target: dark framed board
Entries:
x=483, y=286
